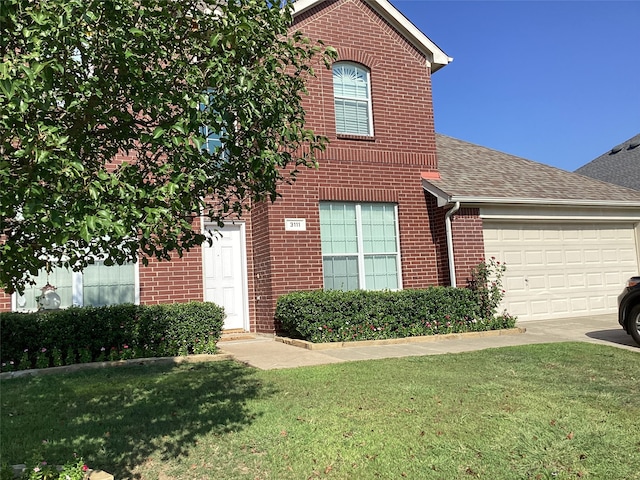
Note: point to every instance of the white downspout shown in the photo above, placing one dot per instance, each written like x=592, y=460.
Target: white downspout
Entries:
x=447, y=226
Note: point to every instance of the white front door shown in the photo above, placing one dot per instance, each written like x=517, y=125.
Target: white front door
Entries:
x=225, y=275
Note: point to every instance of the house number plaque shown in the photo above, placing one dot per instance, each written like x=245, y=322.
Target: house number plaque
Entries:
x=295, y=224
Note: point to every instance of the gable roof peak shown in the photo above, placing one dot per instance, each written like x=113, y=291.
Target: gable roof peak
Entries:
x=435, y=55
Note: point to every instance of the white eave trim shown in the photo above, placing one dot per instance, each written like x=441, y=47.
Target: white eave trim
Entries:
x=446, y=199
x=436, y=56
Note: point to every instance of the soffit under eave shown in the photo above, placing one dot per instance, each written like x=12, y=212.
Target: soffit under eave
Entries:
x=441, y=196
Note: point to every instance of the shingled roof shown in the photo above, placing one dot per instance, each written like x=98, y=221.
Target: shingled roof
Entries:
x=620, y=165
x=471, y=173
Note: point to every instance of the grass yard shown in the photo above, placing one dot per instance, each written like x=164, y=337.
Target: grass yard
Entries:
x=555, y=411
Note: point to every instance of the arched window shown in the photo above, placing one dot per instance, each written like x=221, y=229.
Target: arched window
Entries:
x=352, y=97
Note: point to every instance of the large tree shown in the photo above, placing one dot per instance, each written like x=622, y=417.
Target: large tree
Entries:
x=85, y=84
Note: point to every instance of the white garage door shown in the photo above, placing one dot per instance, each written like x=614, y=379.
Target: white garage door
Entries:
x=557, y=270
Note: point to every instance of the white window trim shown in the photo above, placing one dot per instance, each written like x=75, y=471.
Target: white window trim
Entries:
x=369, y=99
x=360, y=255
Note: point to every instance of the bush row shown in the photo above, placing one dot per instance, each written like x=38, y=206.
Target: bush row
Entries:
x=330, y=316
x=89, y=334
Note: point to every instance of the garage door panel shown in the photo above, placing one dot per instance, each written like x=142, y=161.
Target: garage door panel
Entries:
x=595, y=280
x=627, y=254
x=557, y=270
x=513, y=258
x=576, y=280
x=534, y=258
x=554, y=257
x=515, y=284
x=559, y=306
x=537, y=282
x=573, y=257
x=531, y=235
x=570, y=235
x=579, y=305
x=519, y=309
x=556, y=281
x=511, y=235
x=598, y=303
x=592, y=256
x=551, y=234
x=615, y=279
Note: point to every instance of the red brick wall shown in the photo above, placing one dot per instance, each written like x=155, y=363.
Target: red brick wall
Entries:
x=5, y=302
x=384, y=168
x=438, y=233
x=400, y=86
x=468, y=243
x=179, y=280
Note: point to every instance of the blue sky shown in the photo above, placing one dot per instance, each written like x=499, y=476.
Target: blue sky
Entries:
x=557, y=82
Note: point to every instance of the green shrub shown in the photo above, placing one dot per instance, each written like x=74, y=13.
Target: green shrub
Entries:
x=329, y=316
x=486, y=283
x=52, y=338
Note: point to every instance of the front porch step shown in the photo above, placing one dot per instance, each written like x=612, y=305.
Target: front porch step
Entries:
x=234, y=335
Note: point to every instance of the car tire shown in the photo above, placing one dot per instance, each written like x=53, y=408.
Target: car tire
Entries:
x=633, y=323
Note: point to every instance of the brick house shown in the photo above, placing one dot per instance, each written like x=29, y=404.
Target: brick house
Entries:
x=393, y=205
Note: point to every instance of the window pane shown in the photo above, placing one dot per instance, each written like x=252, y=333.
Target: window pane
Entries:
x=111, y=285
x=340, y=273
x=338, y=231
x=378, y=228
x=352, y=117
x=350, y=81
x=212, y=140
x=381, y=272
x=59, y=278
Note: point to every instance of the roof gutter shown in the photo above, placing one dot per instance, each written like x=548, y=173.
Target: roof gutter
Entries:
x=447, y=226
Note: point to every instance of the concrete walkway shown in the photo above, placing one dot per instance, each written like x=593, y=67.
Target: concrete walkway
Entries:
x=266, y=353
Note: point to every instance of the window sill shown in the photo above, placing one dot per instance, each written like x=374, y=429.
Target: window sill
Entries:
x=362, y=138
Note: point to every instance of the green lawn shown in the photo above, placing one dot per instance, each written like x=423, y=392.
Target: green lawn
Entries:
x=555, y=411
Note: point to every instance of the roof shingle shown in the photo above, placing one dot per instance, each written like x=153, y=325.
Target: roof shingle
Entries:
x=620, y=165
x=473, y=172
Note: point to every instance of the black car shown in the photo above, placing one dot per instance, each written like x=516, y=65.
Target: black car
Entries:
x=629, y=308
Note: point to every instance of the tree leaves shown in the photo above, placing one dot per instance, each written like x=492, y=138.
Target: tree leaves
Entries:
x=85, y=82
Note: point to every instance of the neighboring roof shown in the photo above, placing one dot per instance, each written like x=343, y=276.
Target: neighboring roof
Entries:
x=391, y=14
x=620, y=165
x=470, y=173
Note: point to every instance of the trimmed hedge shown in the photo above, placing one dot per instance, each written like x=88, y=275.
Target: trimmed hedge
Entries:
x=332, y=316
x=89, y=334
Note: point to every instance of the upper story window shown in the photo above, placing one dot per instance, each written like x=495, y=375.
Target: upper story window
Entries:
x=352, y=97
x=212, y=141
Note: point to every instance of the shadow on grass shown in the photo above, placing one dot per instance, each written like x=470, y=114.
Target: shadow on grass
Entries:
x=118, y=419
